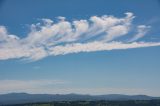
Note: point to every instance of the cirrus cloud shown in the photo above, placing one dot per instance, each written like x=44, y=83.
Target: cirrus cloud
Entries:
x=98, y=33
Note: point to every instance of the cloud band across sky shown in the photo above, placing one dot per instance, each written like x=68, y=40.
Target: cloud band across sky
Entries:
x=64, y=37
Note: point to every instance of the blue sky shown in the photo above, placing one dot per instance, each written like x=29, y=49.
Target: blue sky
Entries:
x=79, y=46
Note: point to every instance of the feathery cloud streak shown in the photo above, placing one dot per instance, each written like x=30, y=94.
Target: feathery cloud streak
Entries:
x=64, y=37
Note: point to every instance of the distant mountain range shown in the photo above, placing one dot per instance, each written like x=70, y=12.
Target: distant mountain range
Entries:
x=17, y=98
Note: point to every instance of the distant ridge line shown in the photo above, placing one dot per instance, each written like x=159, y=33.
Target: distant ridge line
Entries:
x=16, y=98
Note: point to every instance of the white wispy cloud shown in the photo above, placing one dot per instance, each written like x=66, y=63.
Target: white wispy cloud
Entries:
x=58, y=38
x=141, y=31
x=28, y=85
x=98, y=46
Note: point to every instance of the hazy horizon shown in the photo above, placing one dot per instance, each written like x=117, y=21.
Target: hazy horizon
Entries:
x=75, y=94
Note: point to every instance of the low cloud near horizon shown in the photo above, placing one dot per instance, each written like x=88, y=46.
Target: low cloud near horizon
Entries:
x=98, y=33
x=50, y=86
